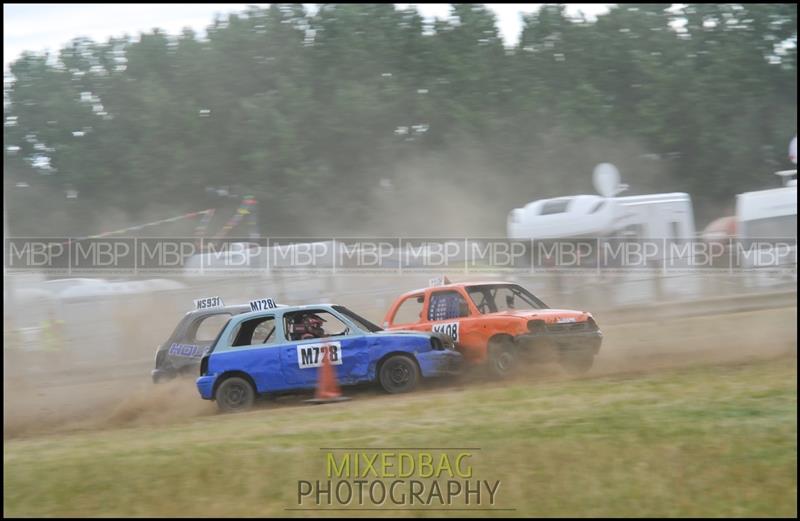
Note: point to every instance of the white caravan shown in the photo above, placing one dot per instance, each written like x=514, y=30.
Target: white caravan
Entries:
x=657, y=217
x=653, y=216
x=769, y=213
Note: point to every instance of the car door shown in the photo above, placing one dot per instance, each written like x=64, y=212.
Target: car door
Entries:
x=446, y=311
x=253, y=349
x=409, y=314
x=301, y=358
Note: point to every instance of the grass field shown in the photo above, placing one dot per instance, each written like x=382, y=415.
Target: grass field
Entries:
x=703, y=441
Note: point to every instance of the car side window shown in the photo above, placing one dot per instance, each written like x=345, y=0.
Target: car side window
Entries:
x=306, y=324
x=206, y=330
x=504, y=300
x=446, y=305
x=256, y=331
x=410, y=310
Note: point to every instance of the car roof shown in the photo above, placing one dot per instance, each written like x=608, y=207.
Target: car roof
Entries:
x=283, y=309
x=455, y=285
x=233, y=309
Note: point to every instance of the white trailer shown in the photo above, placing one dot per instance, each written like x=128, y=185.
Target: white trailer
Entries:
x=653, y=216
x=657, y=219
x=770, y=216
x=768, y=213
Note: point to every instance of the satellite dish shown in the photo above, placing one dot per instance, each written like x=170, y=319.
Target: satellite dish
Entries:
x=605, y=179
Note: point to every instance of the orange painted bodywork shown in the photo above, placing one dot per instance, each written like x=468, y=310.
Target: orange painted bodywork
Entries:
x=476, y=329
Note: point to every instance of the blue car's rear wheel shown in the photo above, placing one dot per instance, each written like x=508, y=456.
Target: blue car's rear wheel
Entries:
x=235, y=394
x=398, y=374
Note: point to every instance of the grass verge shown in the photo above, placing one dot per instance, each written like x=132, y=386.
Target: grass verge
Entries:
x=704, y=441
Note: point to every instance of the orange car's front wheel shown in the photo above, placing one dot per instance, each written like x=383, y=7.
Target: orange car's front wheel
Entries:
x=576, y=361
x=502, y=356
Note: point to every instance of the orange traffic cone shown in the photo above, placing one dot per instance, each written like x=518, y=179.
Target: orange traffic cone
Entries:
x=327, y=387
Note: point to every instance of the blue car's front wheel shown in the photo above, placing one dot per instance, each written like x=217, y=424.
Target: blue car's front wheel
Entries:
x=398, y=374
x=235, y=394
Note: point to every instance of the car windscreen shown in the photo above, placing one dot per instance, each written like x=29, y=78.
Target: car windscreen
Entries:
x=491, y=298
x=360, y=321
x=216, y=340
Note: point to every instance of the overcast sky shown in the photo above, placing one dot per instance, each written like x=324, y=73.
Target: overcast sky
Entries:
x=41, y=27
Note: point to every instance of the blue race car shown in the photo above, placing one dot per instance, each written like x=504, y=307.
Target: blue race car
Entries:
x=280, y=349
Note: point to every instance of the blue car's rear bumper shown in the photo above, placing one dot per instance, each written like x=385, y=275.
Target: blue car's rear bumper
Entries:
x=205, y=384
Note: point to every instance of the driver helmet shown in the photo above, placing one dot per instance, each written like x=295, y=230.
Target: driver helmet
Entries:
x=313, y=324
x=308, y=326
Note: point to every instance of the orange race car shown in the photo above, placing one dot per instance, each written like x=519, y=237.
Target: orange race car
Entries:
x=499, y=323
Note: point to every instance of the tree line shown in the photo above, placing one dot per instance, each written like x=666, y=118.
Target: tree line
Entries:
x=366, y=118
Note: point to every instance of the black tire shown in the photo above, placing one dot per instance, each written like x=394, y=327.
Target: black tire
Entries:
x=576, y=362
x=502, y=357
x=399, y=374
x=235, y=394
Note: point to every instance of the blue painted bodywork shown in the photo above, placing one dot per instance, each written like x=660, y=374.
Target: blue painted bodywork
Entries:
x=275, y=367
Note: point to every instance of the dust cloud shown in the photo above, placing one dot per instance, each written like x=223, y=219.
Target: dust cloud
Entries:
x=461, y=190
x=456, y=189
x=107, y=399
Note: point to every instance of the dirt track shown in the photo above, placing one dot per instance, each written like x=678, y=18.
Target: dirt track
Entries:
x=59, y=402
